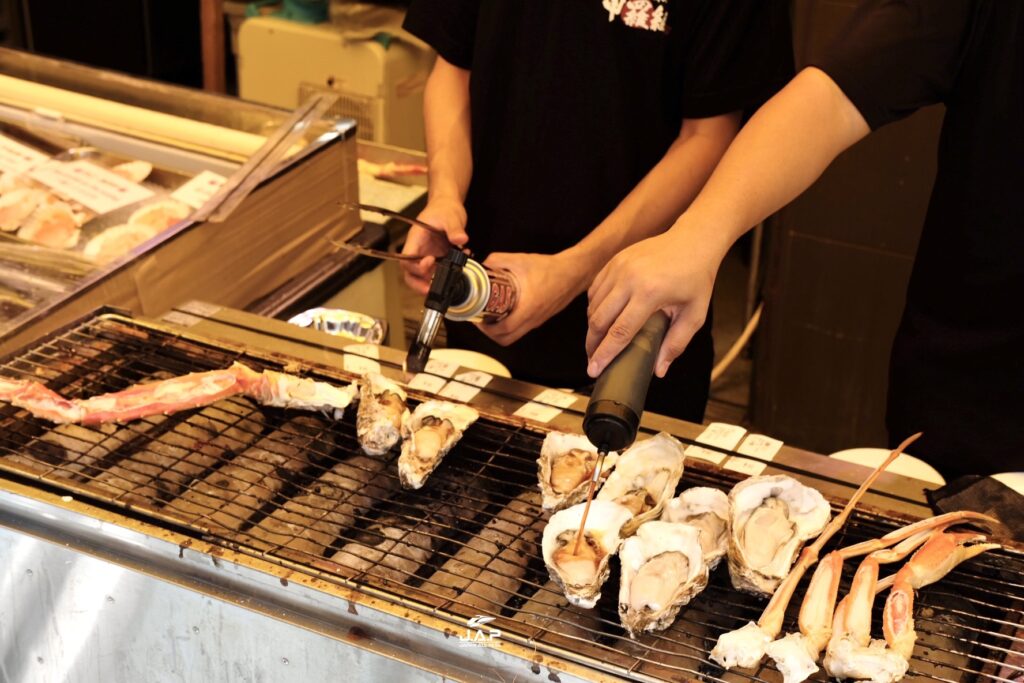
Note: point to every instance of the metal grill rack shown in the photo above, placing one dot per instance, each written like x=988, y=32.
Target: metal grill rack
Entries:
x=295, y=488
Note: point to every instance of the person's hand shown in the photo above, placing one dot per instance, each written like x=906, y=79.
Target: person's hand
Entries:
x=547, y=283
x=446, y=214
x=673, y=272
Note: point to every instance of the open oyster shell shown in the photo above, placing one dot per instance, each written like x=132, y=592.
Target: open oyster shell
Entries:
x=772, y=517
x=708, y=510
x=382, y=411
x=663, y=568
x=581, y=575
x=431, y=431
x=565, y=467
x=645, y=478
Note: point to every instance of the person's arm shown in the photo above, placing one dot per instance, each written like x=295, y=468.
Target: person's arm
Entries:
x=549, y=282
x=450, y=162
x=784, y=148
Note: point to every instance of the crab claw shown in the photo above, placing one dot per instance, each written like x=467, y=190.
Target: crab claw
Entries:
x=934, y=560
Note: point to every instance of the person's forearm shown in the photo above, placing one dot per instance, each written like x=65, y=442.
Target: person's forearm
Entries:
x=661, y=196
x=447, y=122
x=781, y=151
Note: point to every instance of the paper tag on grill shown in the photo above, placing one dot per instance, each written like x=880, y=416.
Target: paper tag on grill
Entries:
x=182, y=319
x=717, y=434
x=359, y=358
x=429, y=383
x=555, y=397
x=458, y=391
x=17, y=158
x=92, y=186
x=538, y=412
x=198, y=190
x=757, y=446
x=440, y=367
x=475, y=377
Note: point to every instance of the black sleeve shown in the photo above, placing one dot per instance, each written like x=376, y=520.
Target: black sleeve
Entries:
x=448, y=26
x=739, y=53
x=895, y=56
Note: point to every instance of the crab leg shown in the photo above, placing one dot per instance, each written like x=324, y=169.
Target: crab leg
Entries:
x=745, y=647
x=929, y=564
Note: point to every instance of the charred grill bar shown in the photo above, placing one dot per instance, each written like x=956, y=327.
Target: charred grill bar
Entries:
x=294, y=490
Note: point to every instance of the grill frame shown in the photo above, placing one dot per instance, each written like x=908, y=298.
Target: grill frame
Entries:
x=562, y=648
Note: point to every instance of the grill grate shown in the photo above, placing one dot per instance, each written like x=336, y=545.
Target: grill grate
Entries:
x=296, y=487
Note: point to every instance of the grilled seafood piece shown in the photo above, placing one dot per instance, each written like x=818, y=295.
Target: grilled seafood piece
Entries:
x=382, y=411
x=171, y=395
x=663, y=568
x=708, y=510
x=565, y=467
x=745, y=647
x=432, y=430
x=645, y=478
x=581, y=572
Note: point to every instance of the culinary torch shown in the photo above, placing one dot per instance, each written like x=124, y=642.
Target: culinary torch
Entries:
x=613, y=413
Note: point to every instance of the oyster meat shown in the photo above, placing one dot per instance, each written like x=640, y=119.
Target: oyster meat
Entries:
x=645, y=478
x=772, y=517
x=581, y=572
x=708, y=510
x=565, y=467
x=663, y=568
x=382, y=411
x=435, y=426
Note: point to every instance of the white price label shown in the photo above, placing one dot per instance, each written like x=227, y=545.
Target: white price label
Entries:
x=717, y=434
x=429, y=383
x=199, y=189
x=537, y=412
x=757, y=446
x=457, y=391
x=440, y=367
x=359, y=365
x=96, y=188
x=475, y=377
x=17, y=158
x=368, y=350
x=555, y=397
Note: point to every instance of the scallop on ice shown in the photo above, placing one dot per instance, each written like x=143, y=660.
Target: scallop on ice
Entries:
x=663, y=568
x=708, y=510
x=772, y=517
x=645, y=478
x=432, y=430
x=580, y=572
x=565, y=468
x=382, y=411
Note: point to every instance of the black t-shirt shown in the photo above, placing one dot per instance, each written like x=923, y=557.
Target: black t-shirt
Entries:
x=957, y=370
x=573, y=102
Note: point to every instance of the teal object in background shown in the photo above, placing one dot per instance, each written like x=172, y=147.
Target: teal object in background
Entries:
x=304, y=11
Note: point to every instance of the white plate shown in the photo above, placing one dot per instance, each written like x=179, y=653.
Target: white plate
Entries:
x=471, y=359
x=906, y=465
x=1015, y=480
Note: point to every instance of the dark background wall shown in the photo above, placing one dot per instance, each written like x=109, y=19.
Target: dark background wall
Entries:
x=153, y=38
x=837, y=265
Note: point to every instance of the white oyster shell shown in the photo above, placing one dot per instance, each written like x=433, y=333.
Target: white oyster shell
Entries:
x=663, y=568
x=565, y=467
x=581, y=576
x=432, y=430
x=645, y=478
x=708, y=510
x=382, y=411
x=772, y=517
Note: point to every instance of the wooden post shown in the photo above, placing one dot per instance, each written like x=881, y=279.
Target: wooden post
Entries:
x=211, y=21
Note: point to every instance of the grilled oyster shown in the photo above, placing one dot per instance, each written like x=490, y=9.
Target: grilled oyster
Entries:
x=645, y=477
x=663, y=568
x=581, y=574
x=566, y=464
x=382, y=411
x=772, y=517
x=708, y=510
x=435, y=426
